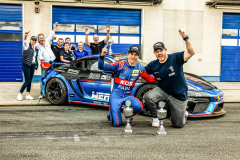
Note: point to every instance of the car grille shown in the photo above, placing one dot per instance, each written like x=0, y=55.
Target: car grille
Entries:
x=200, y=107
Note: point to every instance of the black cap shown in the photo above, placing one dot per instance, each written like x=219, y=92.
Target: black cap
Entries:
x=34, y=38
x=134, y=49
x=158, y=45
x=67, y=38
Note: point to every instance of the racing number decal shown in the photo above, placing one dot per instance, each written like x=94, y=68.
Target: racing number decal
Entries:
x=135, y=72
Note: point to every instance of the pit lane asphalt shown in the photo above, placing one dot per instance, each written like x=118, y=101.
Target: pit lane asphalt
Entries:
x=83, y=132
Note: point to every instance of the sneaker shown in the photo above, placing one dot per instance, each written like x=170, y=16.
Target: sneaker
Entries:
x=19, y=97
x=155, y=122
x=29, y=97
x=186, y=115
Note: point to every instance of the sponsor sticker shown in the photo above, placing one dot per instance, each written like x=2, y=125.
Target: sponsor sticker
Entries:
x=94, y=76
x=135, y=72
x=73, y=71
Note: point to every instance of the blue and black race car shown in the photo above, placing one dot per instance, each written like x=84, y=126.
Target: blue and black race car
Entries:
x=80, y=81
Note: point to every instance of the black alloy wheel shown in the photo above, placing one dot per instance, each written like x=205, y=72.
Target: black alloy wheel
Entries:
x=140, y=95
x=56, y=91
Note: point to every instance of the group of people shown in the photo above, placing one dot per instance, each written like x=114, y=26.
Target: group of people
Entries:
x=47, y=52
x=167, y=71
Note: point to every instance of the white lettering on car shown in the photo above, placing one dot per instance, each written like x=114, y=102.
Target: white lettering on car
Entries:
x=100, y=95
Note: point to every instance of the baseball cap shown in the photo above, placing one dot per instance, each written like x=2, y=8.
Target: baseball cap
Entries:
x=134, y=49
x=158, y=45
x=34, y=38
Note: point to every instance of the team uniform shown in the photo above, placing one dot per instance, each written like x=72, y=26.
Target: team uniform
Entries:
x=125, y=77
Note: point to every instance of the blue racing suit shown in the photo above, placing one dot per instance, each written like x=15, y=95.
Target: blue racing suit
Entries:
x=125, y=77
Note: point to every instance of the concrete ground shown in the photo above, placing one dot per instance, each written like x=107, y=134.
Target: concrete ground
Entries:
x=10, y=90
x=83, y=132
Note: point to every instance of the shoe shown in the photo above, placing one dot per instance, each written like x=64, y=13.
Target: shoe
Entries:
x=155, y=122
x=29, y=97
x=108, y=116
x=186, y=115
x=19, y=97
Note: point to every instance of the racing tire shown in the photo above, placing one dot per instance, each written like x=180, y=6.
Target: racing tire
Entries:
x=140, y=95
x=56, y=91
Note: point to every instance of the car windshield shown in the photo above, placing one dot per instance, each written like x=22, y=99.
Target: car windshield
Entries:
x=123, y=58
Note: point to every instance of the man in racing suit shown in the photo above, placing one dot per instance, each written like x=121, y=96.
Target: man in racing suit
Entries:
x=126, y=73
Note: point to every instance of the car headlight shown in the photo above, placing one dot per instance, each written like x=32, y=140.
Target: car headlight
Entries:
x=191, y=88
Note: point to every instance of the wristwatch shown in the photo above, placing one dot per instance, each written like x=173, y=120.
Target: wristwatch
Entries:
x=186, y=38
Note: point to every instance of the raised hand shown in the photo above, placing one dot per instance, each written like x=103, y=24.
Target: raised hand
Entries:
x=56, y=23
x=86, y=31
x=26, y=33
x=104, y=51
x=108, y=28
x=182, y=32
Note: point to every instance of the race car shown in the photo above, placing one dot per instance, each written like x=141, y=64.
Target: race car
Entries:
x=80, y=81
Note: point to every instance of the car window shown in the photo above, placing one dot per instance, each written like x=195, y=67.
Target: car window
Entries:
x=79, y=65
x=92, y=64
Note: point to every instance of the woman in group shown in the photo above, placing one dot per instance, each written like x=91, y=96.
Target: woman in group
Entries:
x=80, y=52
x=30, y=63
x=66, y=55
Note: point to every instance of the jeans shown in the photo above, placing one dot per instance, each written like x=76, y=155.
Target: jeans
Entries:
x=28, y=75
x=177, y=107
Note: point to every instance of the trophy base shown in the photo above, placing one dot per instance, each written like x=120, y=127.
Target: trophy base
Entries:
x=128, y=129
x=161, y=131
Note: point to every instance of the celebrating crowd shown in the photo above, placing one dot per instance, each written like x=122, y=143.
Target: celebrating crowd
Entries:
x=167, y=71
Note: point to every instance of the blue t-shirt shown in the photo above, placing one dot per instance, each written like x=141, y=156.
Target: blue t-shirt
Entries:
x=79, y=54
x=67, y=56
x=170, y=75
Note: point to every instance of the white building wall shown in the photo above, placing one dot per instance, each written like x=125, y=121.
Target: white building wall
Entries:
x=159, y=23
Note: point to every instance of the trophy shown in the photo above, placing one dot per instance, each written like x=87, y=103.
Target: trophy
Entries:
x=162, y=114
x=128, y=114
x=110, y=42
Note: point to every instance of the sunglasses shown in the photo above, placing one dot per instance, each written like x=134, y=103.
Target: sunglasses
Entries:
x=34, y=38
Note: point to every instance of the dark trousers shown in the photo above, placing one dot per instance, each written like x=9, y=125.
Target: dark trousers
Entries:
x=28, y=75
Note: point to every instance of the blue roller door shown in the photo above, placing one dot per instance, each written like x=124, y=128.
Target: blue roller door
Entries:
x=125, y=25
x=230, y=56
x=10, y=42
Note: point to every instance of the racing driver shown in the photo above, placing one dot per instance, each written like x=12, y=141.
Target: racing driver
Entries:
x=126, y=73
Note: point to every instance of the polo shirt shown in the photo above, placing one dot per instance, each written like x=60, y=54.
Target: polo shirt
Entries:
x=67, y=56
x=79, y=54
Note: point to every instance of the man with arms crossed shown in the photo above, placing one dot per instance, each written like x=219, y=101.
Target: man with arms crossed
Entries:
x=172, y=86
x=126, y=73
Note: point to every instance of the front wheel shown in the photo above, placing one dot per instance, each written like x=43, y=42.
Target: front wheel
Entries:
x=56, y=91
x=140, y=95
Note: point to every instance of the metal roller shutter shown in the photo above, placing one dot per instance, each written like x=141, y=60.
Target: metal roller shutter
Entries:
x=10, y=42
x=230, y=56
x=125, y=25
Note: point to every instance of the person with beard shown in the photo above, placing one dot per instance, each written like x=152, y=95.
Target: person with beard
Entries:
x=57, y=49
x=172, y=86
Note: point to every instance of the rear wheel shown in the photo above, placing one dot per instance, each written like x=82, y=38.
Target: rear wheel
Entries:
x=140, y=95
x=56, y=91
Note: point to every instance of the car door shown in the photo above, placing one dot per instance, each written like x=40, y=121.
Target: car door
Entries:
x=96, y=85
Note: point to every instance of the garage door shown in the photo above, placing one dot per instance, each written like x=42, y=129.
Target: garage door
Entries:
x=125, y=25
x=230, y=57
x=10, y=42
